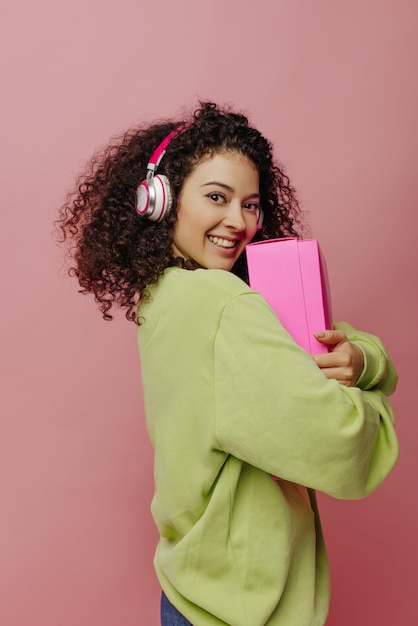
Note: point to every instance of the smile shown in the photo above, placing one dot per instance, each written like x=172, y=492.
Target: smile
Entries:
x=222, y=243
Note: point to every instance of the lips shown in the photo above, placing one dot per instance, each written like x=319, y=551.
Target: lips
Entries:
x=222, y=242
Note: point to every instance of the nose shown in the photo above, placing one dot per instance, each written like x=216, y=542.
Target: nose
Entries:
x=233, y=216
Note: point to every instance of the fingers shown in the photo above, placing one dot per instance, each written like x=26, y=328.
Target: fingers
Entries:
x=333, y=359
x=343, y=377
x=330, y=337
x=344, y=362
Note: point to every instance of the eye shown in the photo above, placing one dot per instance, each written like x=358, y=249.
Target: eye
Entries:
x=252, y=206
x=217, y=197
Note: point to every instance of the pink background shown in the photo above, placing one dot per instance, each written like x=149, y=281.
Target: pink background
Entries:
x=334, y=85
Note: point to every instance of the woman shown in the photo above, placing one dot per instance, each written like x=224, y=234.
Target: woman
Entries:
x=160, y=224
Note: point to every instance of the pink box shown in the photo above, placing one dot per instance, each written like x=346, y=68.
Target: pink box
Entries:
x=291, y=275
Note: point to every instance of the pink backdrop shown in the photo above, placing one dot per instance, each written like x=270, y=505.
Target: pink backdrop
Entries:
x=334, y=86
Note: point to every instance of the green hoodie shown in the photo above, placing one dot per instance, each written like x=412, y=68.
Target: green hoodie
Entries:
x=231, y=401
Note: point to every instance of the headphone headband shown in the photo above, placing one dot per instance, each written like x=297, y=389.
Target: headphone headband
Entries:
x=159, y=151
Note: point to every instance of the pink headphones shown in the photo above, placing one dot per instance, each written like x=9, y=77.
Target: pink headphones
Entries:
x=153, y=195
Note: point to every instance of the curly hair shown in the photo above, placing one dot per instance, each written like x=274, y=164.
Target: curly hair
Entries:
x=115, y=253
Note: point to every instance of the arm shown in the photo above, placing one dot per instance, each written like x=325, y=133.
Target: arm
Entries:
x=277, y=411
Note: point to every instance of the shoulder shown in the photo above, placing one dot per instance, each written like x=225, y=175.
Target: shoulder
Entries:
x=220, y=299
x=210, y=297
x=190, y=298
x=193, y=285
x=214, y=301
x=221, y=282
x=188, y=301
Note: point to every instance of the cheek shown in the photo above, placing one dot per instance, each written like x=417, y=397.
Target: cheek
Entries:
x=187, y=229
x=252, y=231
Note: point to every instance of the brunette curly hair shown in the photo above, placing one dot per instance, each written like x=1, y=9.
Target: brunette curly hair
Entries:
x=116, y=253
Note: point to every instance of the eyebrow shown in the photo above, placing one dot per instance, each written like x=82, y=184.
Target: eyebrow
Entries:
x=228, y=188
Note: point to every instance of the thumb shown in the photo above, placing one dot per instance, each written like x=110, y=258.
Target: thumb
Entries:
x=330, y=337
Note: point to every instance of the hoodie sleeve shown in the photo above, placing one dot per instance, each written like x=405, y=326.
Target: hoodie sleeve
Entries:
x=277, y=411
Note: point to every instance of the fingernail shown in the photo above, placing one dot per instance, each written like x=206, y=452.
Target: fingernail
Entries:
x=319, y=335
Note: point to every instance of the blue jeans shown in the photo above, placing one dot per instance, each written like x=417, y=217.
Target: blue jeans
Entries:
x=169, y=614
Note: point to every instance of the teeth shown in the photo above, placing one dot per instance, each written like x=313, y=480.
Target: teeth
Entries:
x=224, y=243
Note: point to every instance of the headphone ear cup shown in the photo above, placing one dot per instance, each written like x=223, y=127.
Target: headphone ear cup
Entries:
x=163, y=197
x=142, y=199
x=154, y=198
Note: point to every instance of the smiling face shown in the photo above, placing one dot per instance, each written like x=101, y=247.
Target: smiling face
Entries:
x=217, y=211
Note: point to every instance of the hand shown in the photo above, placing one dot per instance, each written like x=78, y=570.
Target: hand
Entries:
x=345, y=360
